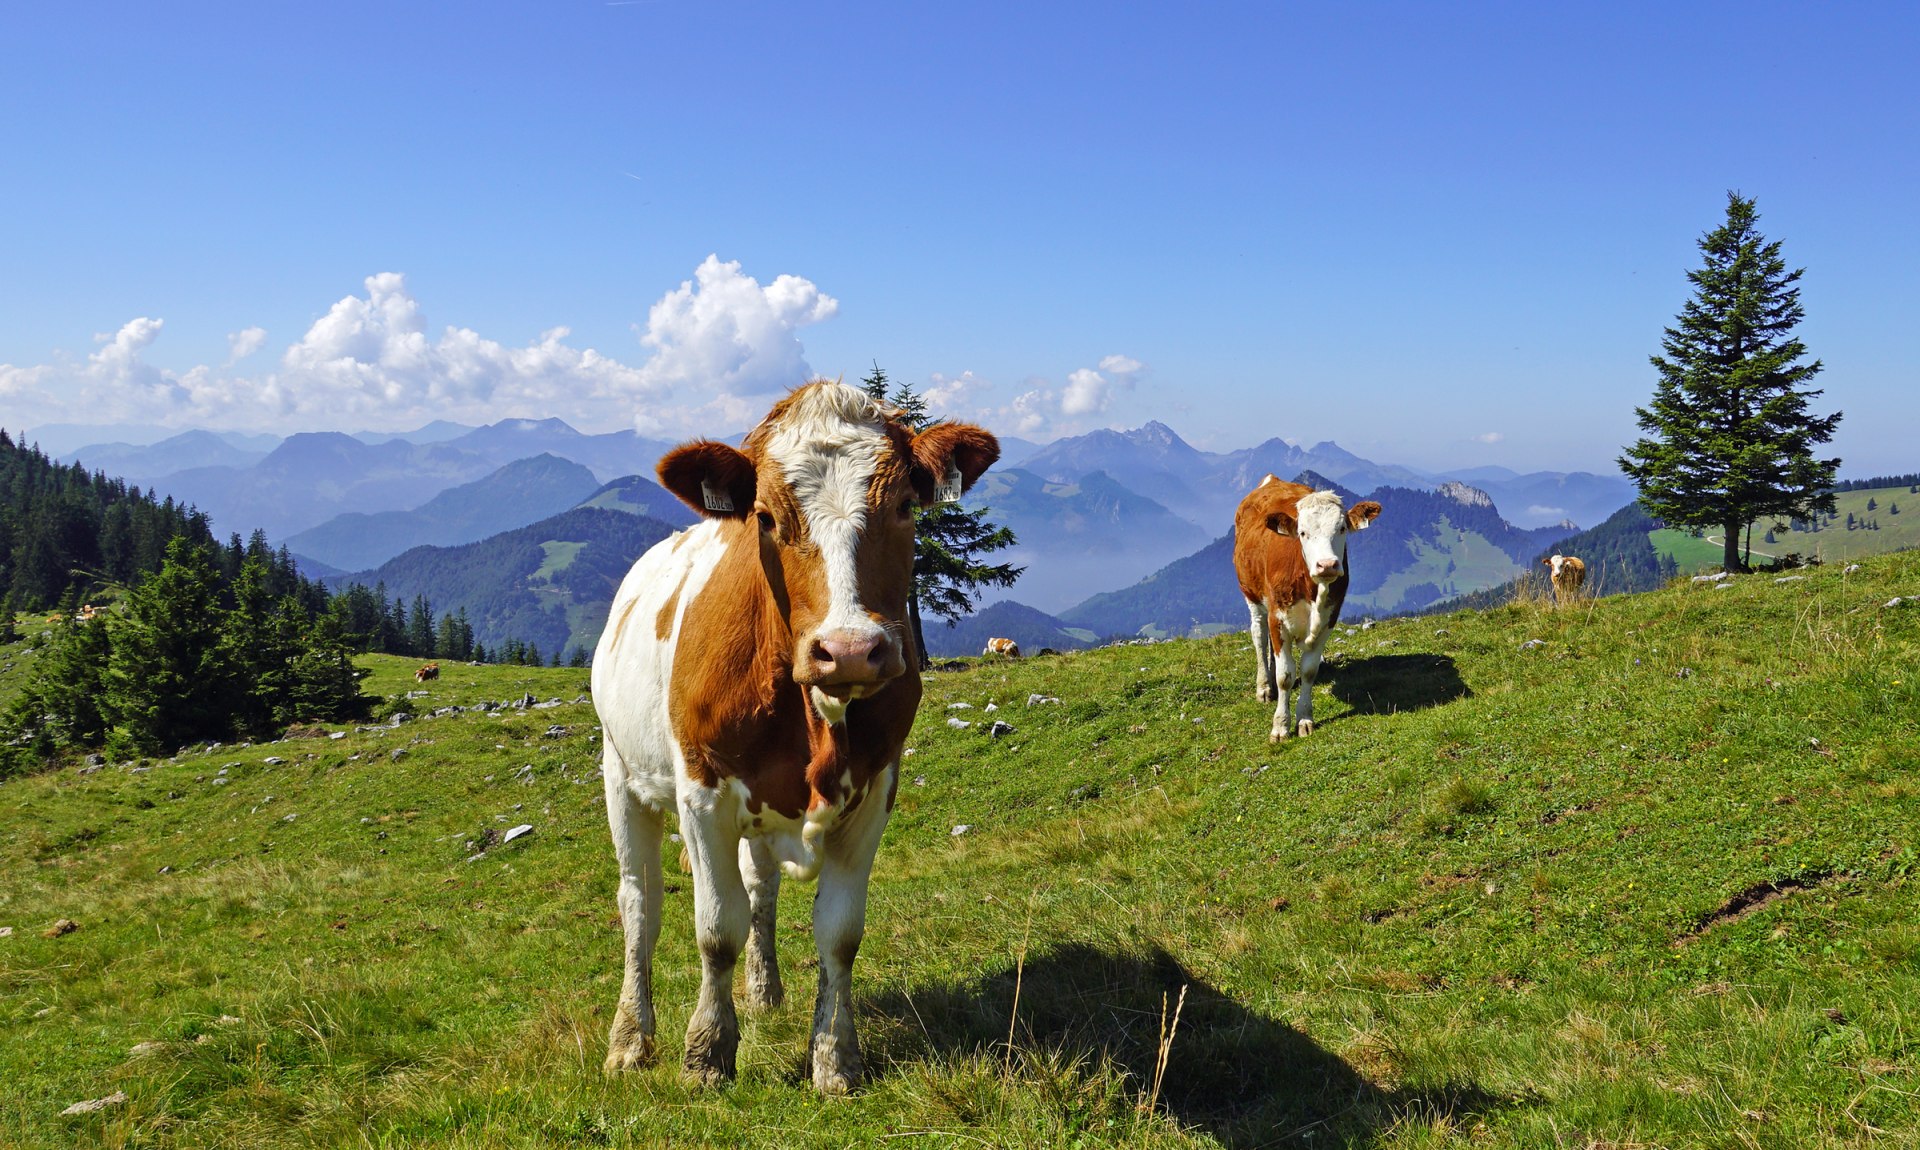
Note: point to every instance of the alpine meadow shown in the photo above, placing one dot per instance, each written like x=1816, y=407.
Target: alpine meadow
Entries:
x=1017, y=577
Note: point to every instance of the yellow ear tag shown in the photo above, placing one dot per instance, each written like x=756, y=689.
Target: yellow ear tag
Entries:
x=714, y=498
x=949, y=489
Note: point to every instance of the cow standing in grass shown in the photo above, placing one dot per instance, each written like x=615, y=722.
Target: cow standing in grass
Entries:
x=1568, y=575
x=1290, y=556
x=757, y=674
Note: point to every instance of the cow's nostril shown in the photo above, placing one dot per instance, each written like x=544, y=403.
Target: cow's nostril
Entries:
x=821, y=654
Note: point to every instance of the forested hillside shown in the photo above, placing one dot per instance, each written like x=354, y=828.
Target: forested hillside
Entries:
x=67, y=532
x=547, y=584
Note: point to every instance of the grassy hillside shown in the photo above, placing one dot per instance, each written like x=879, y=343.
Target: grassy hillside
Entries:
x=1641, y=874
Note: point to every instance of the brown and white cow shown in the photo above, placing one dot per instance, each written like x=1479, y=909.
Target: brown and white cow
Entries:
x=1290, y=555
x=1003, y=647
x=1568, y=575
x=426, y=672
x=757, y=675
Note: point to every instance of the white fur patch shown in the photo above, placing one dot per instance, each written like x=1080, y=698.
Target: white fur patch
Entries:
x=828, y=446
x=1322, y=529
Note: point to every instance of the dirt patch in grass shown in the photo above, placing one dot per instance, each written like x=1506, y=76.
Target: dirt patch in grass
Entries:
x=1751, y=901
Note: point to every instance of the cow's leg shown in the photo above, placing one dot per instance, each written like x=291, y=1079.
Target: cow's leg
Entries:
x=1320, y=620
x=839, y=922
x=711, y=829
x=637, y=831
x=1289, y=676
x=762, y=874
x=1262, y=651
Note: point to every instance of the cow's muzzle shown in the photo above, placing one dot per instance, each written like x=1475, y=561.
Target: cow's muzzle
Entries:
x=849, y=659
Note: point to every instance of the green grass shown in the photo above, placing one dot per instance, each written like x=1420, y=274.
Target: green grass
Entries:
x=1495, y=900
x=560, y=555
x=1689, y=552
x=1832, y=544
x=1475, y=562
x=1835, y=543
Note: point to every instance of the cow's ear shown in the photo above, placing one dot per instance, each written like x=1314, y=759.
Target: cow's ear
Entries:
x=946, y=448
x=1280, y=523
x=712, y=478
x=1361, y=515
x=1548, y=562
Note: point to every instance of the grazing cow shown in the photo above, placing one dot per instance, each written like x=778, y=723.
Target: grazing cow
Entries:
x=430, y=671
x=758, y=675
x=1290, y=555
x=1569, y=574
x=1006, y=647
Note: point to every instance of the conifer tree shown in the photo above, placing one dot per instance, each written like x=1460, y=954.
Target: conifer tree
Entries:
x=1730, y=437
x=170, y=674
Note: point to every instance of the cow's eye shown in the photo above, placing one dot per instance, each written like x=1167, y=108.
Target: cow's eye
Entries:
x=766, y=520
x=906, y=509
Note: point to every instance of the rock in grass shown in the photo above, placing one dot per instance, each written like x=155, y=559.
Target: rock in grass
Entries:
x=1716, y=577
x=521, y=831
x=1530, y=644
x=1000, y=728
x=959, y=830
x=1898, y=601
x=1791, y=579
x=274, y=761
x=93, y=1105
x=958, y=724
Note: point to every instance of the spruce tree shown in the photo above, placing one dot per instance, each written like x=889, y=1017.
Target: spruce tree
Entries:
x=171, y=676
x=1730, y=438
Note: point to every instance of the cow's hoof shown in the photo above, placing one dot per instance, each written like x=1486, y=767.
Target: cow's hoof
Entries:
x=706, y=1072
x=835, y=1085
x=1306, y=727
x=1278, y=736
x=631, y=1055
x=764, y=995
x=1263, y=694
x=838, y=1078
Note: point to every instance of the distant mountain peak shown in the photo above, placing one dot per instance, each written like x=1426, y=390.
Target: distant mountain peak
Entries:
x=551, y=423
x=1469, y=496
x=1156, y=433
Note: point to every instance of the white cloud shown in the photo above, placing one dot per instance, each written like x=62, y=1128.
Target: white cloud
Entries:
x=1489, y=437
x=1540, y=511
x=722, y=335
x=367, y=362
x=1041, y=409
x=955, y=395
x=241, y=344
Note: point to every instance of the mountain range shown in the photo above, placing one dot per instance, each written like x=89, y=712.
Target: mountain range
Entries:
x=1115, y=527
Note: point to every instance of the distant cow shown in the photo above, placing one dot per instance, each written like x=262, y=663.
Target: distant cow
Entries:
x=1569, y=574
x=1290, y=555
x=757, y=674
x=1006, y=647
x=430, y=671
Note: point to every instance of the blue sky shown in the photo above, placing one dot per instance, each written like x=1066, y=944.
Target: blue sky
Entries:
x=1439, y=235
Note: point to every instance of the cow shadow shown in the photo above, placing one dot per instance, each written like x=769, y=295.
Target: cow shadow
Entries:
x=1385, y=684
x=1243, y=1078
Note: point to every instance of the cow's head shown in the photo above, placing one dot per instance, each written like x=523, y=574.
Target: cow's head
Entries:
x=830, y=480
x=1321, y=526
x=1556, y=565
